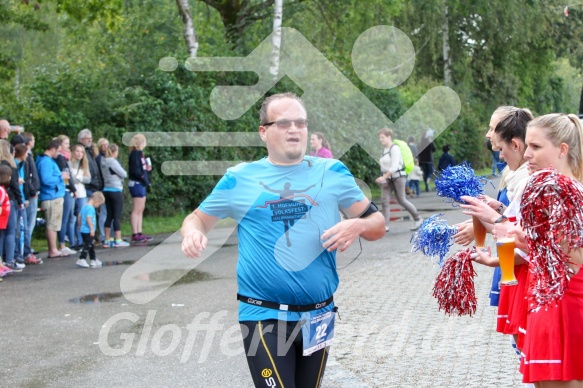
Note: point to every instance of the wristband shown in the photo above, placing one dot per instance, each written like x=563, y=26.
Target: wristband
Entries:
x=501, y=219
x=500, y=208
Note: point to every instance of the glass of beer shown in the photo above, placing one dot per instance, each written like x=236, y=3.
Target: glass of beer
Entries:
x=67, y=176
x=505, y=248
x=479, y=233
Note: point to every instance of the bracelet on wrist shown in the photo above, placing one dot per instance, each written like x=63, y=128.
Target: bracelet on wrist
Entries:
x=500, y=209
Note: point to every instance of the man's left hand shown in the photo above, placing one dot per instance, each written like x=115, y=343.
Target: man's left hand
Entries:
x=342, y=235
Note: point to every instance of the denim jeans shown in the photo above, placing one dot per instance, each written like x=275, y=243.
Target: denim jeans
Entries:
x=79, y=203
x=414, y=186
x=495, y=161
x=10, y=235
x=31, y=212
x=21, y=243
x=2, y=239
x=101, y=221
x=68, y=223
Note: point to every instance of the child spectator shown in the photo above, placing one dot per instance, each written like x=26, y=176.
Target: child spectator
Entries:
x=113, y=176
x=139, y=179
x=5, y=175
x=415, y=179
x=446, y=159
x=87, y=222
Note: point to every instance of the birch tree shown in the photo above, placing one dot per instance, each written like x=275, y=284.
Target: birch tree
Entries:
x=189, y=33
x=446, y=49
x=276, y=39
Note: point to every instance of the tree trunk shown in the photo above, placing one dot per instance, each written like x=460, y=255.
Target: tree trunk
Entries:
x=189, y=33
x=446, y=48
x=581, y=103
x=276, y=39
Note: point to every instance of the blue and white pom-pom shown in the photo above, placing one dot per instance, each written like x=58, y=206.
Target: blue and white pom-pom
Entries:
x=457, y=181
x=434, y=238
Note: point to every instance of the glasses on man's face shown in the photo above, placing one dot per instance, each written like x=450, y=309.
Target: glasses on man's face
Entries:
x=286, y=124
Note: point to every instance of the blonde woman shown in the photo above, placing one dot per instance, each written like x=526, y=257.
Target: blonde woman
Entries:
x=113, y=176
x=102, y=145
x=139, y=174
x=79, y=167
x=68, y=222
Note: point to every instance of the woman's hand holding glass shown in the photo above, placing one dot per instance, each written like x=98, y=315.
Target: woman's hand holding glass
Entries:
x=478, y=208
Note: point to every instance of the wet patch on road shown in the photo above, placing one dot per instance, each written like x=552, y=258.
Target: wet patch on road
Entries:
x=192, y=276
x=97, y=298
x=118, y=262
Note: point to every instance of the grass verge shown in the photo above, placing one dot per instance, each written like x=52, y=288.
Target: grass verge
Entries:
x=152, y=225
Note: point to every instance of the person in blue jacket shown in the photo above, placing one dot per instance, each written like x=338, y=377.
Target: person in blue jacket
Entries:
x=52, y=193
x=446, y=159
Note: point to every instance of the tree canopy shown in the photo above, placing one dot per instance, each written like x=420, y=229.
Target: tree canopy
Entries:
x=68, y=64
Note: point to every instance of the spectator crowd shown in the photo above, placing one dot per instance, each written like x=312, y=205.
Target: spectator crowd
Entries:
x=79, y=189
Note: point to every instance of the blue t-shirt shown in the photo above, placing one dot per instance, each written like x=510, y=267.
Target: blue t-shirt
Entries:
x=20, y=168
x=282, y=211
x=87, y=211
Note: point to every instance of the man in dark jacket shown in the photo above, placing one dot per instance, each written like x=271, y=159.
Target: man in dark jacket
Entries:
x=86, y=138
x=427, y=148
x=446, y=159
x=96, y=184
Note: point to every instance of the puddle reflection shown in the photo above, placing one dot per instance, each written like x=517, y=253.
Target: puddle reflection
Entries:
x=192, y=276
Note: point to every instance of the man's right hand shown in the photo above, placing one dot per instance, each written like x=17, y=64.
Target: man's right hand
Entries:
x=194, y=243
x=193, y=238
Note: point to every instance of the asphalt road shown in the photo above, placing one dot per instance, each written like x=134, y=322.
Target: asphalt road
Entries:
x=64, y=326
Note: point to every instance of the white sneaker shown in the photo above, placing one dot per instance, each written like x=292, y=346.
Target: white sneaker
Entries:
x=19, y=265
x=68, y=251
x=120, y=244
x=95, y=263
x=82, y=263
x=417, y=224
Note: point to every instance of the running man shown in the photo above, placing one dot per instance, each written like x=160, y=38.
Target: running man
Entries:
x=286, y=290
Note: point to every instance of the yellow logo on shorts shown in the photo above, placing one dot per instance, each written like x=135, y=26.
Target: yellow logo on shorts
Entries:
x=266, y=373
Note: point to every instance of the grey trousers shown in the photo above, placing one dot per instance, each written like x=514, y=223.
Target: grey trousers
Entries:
x=398, y=185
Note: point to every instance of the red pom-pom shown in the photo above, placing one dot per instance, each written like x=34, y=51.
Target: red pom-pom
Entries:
x=552, y=219
x=454, y=286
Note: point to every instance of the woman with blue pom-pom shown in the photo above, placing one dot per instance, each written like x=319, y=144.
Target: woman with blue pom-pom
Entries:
x=509, y=137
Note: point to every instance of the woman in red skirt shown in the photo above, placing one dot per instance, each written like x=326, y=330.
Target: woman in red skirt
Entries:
x=552, y=221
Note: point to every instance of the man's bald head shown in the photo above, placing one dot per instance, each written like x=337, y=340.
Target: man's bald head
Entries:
x=4, y=129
